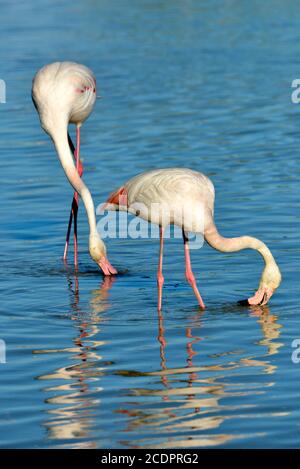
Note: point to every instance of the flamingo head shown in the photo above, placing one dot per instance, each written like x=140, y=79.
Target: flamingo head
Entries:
x=269, y=282
x=97, y=250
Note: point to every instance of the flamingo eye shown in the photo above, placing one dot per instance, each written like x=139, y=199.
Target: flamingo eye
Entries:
x=85, y=88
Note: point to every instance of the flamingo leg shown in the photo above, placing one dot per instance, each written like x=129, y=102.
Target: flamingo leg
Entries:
x=68, y=235
x=188, y=271
x=75, y=201
x=75, y=212
x=71, y=211
x=160, y=277
x=76, y=198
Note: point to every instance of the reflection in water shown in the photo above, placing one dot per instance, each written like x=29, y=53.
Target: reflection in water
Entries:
x=102, y=374
x=180, y=407
x=73, y=406
x=195, y=407
x=270, y=328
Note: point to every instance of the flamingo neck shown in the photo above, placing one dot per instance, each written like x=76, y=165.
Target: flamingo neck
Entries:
x=271, y=274
x=60, y=140
x=223, y=244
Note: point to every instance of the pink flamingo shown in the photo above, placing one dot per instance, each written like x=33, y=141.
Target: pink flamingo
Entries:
x=63, y=93
x=183, y=191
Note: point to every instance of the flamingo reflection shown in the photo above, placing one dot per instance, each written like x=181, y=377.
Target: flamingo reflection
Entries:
x=196, y=401
x=72, y=408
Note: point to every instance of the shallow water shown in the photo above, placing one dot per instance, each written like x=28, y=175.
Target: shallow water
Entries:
x=89, y=362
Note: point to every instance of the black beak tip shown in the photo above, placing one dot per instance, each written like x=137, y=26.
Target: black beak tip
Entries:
x=243, y=303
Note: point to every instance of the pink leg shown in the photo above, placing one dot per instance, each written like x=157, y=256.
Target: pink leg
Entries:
x=188, y=270
x=74, y=208
x=160, y=277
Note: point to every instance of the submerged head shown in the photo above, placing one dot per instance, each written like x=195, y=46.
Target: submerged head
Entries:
x=63, y=91
x=97, y=250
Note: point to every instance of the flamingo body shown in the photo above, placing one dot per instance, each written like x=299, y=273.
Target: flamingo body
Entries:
x=64, y=93
x=187, y=196
x=68, y=85
x=172, y=195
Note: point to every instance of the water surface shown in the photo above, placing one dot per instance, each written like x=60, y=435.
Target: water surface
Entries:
x=89, y=362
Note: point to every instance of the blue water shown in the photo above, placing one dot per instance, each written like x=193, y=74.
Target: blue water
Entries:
x=89, y=362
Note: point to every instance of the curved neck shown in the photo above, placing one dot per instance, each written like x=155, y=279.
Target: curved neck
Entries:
x=222, y=244
x=60, y=140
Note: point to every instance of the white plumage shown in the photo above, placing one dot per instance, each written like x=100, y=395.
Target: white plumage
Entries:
x=63, y=93
x=188, y=196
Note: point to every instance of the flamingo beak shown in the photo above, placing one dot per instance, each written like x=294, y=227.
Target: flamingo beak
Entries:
x=106, y=267
x=260, y=298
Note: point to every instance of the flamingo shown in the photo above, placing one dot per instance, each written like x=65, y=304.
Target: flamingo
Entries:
x=184, y=191
x=63, y=93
